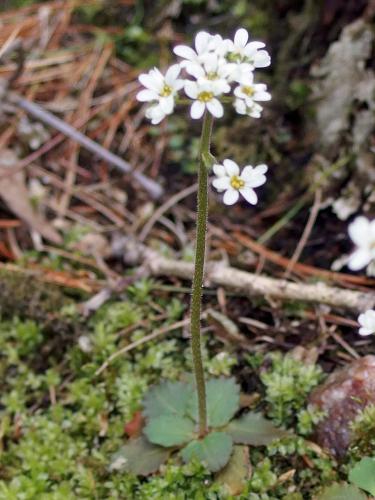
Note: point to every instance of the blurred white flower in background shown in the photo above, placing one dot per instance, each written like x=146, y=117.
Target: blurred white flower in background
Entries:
x=362, y=233
x=233, y=182
x=367, y=322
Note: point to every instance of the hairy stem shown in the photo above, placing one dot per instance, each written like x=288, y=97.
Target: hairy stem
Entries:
x=200, y=250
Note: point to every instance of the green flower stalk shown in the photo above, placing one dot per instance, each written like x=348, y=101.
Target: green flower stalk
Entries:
x=200, y=252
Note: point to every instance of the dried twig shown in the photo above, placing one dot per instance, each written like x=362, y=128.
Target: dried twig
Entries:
x=48, y=118
x=306, y=233
x=252, y=285
x=303, y=269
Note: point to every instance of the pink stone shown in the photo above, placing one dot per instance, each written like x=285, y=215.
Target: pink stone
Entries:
x=342, y=396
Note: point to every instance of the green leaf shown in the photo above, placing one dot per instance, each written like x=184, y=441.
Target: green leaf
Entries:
x=166, y=399
x=169, y=430
x=237, y=471
x=254, y=429
x=342, y=492
x=139, y=457
x=214, y=450
x=363, y=475
x=223, y=400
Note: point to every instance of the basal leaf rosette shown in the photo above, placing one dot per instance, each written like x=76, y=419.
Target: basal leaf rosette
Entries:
x=171, y=413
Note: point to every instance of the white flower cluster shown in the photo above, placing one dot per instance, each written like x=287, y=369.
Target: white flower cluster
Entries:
x=217, y=66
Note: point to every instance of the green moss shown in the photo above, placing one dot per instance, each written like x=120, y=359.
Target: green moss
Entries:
x=363, y=429
x=288, y=383
x=60, y=424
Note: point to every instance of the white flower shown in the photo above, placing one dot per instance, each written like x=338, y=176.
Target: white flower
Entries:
x=240, y=51
x=362, y=232
x=215, y=70
x=250, y=91
x=367, y=322
x=161, y=90
x=204, y=98
x=240, y=71
x=234, y=183
x=254, y=110
x=156, y=114
x=204, y=44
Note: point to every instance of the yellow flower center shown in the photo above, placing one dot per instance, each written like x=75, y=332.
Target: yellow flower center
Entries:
x=167, y=90
x=235, y=57
x=236, y=182
x=249, y=91
x=205, y=96
x=212, y=75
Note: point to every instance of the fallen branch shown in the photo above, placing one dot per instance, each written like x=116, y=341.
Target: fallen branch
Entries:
x=249, y=284
x=154, y=189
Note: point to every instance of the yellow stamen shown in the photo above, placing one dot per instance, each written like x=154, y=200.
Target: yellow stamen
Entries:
x=235, y=57
x=212, y=75
x=236, y=182
x=166, y=91
x=205, y=96
x=249, y=91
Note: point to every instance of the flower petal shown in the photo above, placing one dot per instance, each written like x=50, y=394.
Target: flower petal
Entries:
x=262, y=96
x=197, y=110
x=201, y=41
x=231, y=167
x=241, y=37
x=262, y=59
x=191, y=89
x=367, y=321
x=150, y=81
x=219, y=170
x=195, y=70
x=261, y=169
x=359, y=231
x=172, y=74
x=254, y=177
x=249, y=195
x=240, y=106
x=253, y=46
x=359, y=259
x=167, y=104
x=221, y=183
x=230, y=197
x=185, y=52
x=215, y=108
x=155, y=114
x=147, y=95
x=365, y=331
